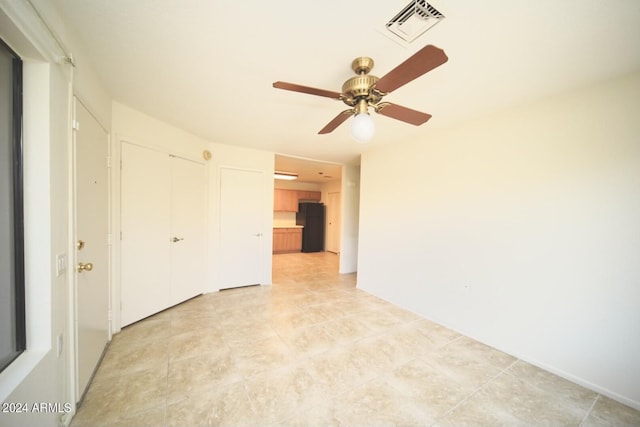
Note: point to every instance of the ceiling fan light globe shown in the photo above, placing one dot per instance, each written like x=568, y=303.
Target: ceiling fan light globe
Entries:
x=362, y=127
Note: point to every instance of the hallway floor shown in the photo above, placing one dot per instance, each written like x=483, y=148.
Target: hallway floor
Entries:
x=312, y=350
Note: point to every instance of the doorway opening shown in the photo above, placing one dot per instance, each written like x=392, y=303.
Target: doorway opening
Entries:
x=304, y=217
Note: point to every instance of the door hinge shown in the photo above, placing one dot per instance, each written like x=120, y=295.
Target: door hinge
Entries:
x=75, y=125
x=109, y=243
x=109, y=316
x=109, y=162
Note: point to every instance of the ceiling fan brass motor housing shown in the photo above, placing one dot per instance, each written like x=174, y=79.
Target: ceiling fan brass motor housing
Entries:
x=360, y=86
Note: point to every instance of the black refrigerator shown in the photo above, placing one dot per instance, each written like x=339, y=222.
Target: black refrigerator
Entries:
x=311, y=217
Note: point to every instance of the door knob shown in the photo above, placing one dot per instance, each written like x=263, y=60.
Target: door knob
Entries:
x=84, y=267
x=177, y=239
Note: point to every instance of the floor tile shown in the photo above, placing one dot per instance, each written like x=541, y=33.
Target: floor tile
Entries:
x=473, y=349
x=277, y=394
x=201, y=373
x=313, y=350
x=123, y=360
x=116, y=397
x=608, y=412
x=254, y=357
x=338, y=371
x=347, y=329
x=141, y=333
x=462, y=367
x=437, y=334
x=196, y=341
x=376, y=403
x=307, y=341
x=508, y=400
x=226, y=406
x=428, y=388
x=553, y=385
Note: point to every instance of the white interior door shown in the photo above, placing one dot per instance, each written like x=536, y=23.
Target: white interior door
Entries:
x=188, y=225
x=146, y=225
x=92, y=250
x=333, y=222
x=242, y=229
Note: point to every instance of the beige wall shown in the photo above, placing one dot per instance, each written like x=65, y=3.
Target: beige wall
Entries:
x=350, y=224
x=41, y=374
x=133, y=126
x=295, y=185
x=521, y=230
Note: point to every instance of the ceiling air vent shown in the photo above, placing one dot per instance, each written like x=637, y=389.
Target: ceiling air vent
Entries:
x=412, y=21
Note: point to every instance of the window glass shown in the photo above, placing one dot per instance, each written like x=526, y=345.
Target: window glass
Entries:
x=12, y=322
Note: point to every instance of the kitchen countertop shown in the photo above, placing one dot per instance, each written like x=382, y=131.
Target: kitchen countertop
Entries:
x=288, y=226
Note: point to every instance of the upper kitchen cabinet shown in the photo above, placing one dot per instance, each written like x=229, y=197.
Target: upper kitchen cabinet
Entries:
x=287, y=200
x=309, y=196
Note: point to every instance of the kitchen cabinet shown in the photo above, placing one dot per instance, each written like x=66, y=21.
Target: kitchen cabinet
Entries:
x=314, y=196
x=287, y=239
x=287, y=200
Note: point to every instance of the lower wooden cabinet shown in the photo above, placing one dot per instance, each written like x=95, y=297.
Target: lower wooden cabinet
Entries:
x=287, y=240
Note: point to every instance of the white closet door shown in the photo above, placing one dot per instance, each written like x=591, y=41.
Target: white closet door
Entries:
x=241, y=227
x=188, y=236
x=146, y=226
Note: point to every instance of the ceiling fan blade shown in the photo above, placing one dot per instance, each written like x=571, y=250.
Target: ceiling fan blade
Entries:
x=337, y=121
x=306, y=89
x=401, y=113
x=426, y=59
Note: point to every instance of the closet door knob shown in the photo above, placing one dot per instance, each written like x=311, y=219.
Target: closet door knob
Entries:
x=177, y=239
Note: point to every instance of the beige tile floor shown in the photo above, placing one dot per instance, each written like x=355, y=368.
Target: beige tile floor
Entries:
x=312, y=350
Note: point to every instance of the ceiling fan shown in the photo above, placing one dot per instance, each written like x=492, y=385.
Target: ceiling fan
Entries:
x=366, y=90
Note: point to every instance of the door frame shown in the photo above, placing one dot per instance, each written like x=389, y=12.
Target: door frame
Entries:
x=116, y=206
x=335, y=233
x=266, y=238
x=72, y=331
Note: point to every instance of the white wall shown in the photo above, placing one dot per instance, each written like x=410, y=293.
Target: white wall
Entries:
x=295, y=185
x=249, y=159
x=40, y=374
x=521, y=230
x=133, y=126
x=349, y=234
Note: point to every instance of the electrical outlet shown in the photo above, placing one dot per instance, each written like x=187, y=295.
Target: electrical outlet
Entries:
x=61, y=264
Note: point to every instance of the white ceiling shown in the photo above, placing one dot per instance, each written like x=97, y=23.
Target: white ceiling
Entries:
x=207, y=66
